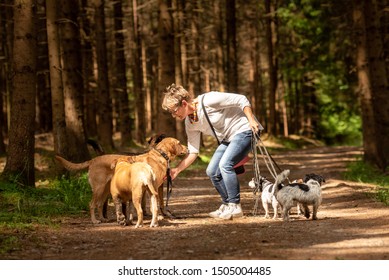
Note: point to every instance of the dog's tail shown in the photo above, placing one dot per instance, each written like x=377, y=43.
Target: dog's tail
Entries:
x=72, y=166
x=147, y=176
x=279, y=179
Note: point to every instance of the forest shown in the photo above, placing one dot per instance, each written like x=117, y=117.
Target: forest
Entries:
x=96, y=69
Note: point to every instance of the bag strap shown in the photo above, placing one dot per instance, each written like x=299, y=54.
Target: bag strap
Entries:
x=209, y=122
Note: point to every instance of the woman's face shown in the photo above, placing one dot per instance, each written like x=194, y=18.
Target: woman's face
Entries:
x=181, y=111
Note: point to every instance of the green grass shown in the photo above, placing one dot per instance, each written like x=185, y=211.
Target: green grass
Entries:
x=362, y=172
x=22, y=207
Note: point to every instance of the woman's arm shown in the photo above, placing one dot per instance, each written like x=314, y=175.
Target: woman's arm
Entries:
x=251, y=118
x=187, y=161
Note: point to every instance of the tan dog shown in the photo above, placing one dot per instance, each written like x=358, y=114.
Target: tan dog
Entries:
x=159, y=159
x=100, y=172
x=129, y=183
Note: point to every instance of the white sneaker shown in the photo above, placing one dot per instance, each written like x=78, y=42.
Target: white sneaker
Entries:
x=216, y=214
x=234, y=210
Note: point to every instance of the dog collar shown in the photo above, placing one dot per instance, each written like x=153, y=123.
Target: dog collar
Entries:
x=164, y=155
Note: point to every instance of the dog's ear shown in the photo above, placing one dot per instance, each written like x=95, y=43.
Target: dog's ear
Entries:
x=160, y=138
x=113, y=164
x=156, y=139
x=315, y=177
x=308, y=177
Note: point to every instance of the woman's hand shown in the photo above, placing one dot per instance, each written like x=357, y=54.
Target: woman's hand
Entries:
x=188, y=160
x=174, y=173
x=254, y=126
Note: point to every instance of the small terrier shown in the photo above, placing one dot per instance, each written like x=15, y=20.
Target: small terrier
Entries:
x=307, y=193
x=266, y=188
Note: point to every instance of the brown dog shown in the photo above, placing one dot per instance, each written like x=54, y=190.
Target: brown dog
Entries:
x=100, y=173
x=159, y=161
x=100, y=151
x=129, y=183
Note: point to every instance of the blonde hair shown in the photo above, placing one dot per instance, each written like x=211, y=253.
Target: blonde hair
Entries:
x=174, y=94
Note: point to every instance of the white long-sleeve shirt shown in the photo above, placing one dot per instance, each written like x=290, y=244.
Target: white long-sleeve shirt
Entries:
x=225, y=111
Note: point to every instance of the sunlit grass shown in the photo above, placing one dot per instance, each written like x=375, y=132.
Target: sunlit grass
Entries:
x=23, y=206
x=362, y=172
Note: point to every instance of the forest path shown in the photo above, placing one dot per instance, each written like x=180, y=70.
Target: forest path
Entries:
x=351, y=223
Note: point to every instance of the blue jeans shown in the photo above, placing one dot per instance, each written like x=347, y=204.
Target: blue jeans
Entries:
x=221, y=168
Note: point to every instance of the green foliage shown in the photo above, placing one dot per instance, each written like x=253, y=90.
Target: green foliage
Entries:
x=315, y=52
x=75, y=193
x=362, y=172
x=340, y=122
x=22, y=207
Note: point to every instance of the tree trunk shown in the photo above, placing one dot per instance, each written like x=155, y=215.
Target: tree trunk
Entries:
x=365, y=93
x=232, y=60
x=121, y=80
x=272, y=127
x=166, y=123
x=379, y=83
x=178, y=38
x=57, y=98
x=140, y=120
x=72, y=81
x=6, y=33
x=20, y=156
x=104, y=102
x=194, y=84
x=43, y=108
x=258, y=89
x=219, y=47
x=3, y=123
x=146, y=85
x=90, y=80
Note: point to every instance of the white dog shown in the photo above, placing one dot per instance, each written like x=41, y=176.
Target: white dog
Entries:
x=266, y=189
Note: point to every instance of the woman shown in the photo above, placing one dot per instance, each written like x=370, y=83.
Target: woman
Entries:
x=234, y=123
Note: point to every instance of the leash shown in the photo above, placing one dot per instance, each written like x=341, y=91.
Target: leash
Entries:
x=270, y=164
x=169, y=185
x=268, y=159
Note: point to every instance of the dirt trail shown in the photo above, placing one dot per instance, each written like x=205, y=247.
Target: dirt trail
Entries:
x=351, y=225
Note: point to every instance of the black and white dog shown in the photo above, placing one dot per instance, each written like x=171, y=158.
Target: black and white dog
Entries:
x=264, y=186
x=307, y=193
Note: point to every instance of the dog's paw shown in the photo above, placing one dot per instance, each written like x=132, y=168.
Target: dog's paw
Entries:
x=121, y=220
x=138, y=225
